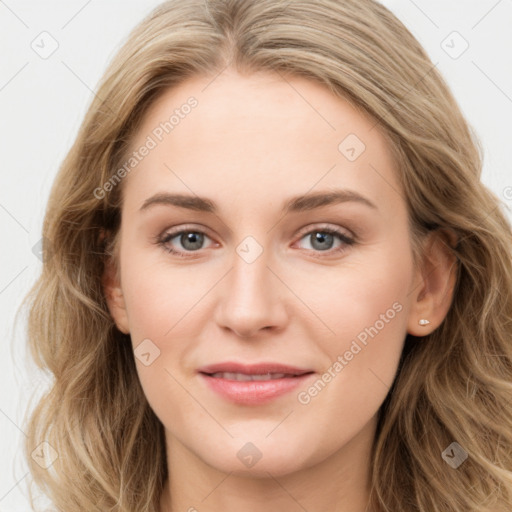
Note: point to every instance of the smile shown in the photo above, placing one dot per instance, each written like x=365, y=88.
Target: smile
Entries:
x=243, y=377
x=243, y=389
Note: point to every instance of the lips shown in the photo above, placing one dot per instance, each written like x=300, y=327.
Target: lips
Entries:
x=252, y=384
x=242, y=377
x=253, y=369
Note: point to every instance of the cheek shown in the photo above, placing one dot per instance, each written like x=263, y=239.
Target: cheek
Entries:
x=366, y=310
x=363, y=288
x=163, y=299
x=158, y=295
x=170, y=305
x=162, y=330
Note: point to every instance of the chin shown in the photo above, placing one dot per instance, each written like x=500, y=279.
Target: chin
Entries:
x=276, y=467
x=255, y=460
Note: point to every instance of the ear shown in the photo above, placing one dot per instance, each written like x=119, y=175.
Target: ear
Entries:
x=434, y=283
x=112, y=289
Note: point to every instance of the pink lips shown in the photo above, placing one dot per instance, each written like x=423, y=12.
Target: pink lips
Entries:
x=282, y=379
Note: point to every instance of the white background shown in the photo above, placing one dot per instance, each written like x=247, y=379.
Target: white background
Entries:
x=43, y=101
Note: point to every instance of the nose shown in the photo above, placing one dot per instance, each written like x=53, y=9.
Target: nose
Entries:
x=251, y=298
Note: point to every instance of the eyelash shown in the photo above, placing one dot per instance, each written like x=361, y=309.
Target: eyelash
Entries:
x=163, y=240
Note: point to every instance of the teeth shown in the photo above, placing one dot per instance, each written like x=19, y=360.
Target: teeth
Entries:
x=242, y=377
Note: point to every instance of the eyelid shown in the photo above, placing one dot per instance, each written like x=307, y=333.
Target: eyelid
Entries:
x=177, y=230
x=304, y=231
x=346, y=236
x=325, y=225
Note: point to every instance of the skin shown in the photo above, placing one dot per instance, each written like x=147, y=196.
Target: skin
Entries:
x=250, y=144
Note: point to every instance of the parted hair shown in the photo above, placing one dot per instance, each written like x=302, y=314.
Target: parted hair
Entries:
x=453, y=385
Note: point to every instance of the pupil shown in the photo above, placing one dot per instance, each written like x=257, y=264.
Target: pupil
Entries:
x=192, y=238
x=321, y=237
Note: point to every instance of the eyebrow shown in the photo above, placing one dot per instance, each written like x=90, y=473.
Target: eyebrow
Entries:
x=295, y=204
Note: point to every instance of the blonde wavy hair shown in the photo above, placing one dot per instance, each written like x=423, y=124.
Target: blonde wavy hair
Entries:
x=453, y=385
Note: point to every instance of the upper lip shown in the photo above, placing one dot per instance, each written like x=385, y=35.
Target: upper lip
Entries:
x=252, y=369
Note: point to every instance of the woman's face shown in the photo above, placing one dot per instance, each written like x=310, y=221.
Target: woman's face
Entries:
x=263, y=167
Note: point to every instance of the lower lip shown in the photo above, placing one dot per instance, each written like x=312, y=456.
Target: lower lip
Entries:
x=254, y=392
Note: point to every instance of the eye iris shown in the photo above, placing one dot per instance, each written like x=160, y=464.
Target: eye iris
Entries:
x=320, y=236
x=192, y=237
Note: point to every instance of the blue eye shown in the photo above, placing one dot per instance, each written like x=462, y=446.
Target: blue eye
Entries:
x=322, y=239
x=189, y=240
x=192, y=241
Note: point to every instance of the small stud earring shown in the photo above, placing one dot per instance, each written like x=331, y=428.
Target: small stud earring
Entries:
x=424, y=321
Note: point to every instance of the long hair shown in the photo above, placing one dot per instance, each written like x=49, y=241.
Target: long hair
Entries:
x=452, y=386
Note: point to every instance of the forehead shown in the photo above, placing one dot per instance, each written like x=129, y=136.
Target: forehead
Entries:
x=262, y=135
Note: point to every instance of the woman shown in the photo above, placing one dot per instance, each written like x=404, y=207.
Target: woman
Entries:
x=258, y=368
